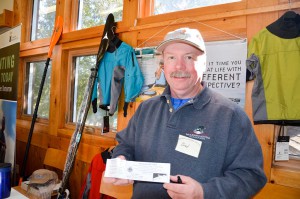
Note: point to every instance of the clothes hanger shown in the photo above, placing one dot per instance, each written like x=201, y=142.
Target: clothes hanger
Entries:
x=115, y=42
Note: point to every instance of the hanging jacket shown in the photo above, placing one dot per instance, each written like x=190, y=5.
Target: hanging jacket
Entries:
x=91, y=186
x=274, y=61
x=118, y=69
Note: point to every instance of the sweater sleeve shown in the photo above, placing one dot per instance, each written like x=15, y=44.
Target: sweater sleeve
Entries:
x=243, y=174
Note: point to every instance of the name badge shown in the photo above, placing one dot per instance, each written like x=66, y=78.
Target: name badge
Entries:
x=188, y=146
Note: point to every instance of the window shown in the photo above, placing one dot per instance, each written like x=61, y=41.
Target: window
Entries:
x=294, y=149
x=166, y=6
x=294, y=146
x=43, y=19
x=94, y=12
x=81, y=74
x=33, y=77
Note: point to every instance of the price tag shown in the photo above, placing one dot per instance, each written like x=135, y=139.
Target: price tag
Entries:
x=105, y=124
x=282, y=148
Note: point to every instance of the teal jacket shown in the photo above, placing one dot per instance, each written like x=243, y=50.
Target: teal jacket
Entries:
x=118, y=69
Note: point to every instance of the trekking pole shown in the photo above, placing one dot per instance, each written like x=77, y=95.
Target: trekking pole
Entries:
x=63, y=192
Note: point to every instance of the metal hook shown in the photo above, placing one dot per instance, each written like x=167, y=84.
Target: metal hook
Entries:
x=112, y=29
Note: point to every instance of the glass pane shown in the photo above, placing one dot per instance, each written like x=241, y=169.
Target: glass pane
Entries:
x=34, y=74
x=94, y=12
x=166, y=6
x=294, y=133
x=43, y=18
x=82, y=71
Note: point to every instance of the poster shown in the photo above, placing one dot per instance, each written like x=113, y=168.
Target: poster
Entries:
x=225, y=70
x=8, y=111
x=9, y=63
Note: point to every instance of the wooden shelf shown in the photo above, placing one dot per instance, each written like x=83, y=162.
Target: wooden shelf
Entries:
x=6, y=18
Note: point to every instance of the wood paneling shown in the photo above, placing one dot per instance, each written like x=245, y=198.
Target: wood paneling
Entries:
x=22, y=16
x=55, y=158
x=286, y=177
x=274, y=191
x=6, y=18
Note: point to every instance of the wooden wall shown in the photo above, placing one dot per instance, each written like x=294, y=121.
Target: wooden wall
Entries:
x=242, y=19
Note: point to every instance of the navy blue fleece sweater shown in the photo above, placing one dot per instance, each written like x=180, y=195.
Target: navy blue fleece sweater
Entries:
x=230, y=162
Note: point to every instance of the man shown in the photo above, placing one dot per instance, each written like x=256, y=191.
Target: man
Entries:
x=228, y=161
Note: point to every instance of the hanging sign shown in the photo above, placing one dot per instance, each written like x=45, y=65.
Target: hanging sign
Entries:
x=226, y=69
x=9, y=62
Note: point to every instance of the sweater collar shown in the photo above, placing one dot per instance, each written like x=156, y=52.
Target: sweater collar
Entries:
x=199, y=101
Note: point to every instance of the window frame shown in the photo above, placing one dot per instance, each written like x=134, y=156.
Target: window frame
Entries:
x=278, y=169
x=152, y=7
x=159, y=23
x=33, y=20
x=146, y=8
x=292, y=163
x=69, y=105
x=75, y=15
x=71, y=54
x=37, y=58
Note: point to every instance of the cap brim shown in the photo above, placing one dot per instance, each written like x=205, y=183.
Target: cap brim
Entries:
x=39, y=181
x=160, y=48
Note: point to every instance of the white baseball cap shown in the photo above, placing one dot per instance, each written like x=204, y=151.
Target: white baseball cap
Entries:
x=183, y=35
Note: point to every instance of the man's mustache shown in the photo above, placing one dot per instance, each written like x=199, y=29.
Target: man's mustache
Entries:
x=180, y=74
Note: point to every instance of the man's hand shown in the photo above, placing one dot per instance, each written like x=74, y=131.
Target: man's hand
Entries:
x=189, y=188
x=117, y=181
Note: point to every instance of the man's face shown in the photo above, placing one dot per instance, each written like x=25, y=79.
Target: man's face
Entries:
x=183, y=67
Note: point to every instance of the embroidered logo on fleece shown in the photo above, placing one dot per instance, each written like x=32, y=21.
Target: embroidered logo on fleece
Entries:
x=198, y=134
